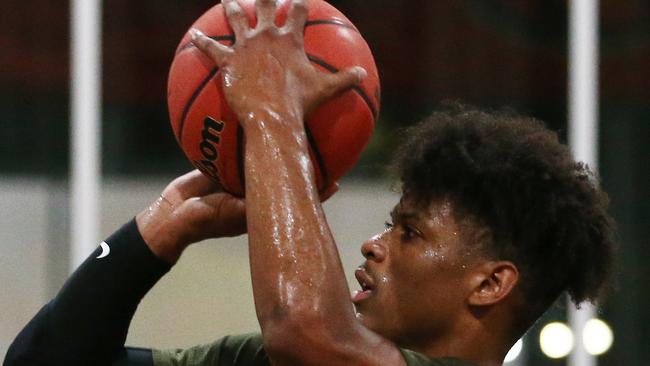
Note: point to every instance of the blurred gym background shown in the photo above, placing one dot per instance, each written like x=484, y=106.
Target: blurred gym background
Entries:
x=490, y=53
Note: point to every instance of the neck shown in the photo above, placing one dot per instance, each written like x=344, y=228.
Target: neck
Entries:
x=476, y=342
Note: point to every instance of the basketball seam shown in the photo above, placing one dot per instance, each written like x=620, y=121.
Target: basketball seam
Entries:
x=190, y=102
x=341, y=23
x=362, y=93
x=319, y=158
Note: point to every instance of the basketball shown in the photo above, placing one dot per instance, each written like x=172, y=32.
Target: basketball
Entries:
x=208, y=131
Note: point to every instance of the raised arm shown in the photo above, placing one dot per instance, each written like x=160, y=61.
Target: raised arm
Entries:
x=87, y=322
x=301, y=296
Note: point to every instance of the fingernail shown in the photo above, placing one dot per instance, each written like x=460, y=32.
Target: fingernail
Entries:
x=361, y=73
x=195, y=34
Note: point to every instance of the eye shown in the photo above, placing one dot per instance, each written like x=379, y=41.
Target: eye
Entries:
x=408, y=233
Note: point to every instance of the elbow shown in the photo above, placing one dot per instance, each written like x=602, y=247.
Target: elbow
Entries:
x=290, y=343
x=297, y=336
x=295, y=321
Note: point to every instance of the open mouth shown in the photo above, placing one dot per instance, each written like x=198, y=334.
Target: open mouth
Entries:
x=366, y=283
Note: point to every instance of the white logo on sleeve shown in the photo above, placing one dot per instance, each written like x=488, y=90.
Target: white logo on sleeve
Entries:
x=106, y=250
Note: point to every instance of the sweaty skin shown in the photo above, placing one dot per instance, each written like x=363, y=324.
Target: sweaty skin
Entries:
x=417, y=268
x=301, y=296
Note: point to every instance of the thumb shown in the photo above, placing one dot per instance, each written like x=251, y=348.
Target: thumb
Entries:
x=215, y=215
x=192, y=184
x=329, y=192
x=344, y=80
x=211, y=48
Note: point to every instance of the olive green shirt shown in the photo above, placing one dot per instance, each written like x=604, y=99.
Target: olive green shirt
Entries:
x=247, y=350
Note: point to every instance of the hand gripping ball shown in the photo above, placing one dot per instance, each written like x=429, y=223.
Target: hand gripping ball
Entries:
x=208, y=131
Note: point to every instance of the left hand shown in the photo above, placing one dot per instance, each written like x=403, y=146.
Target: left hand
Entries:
x=267, y=70
x=190, y=209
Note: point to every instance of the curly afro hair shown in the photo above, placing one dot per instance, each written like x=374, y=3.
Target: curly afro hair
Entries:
x=544, y=211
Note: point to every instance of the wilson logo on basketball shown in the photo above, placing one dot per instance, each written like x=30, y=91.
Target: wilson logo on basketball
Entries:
x=210, y=139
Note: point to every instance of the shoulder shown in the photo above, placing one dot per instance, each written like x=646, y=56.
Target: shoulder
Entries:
x=413, y=358
x=234, y=350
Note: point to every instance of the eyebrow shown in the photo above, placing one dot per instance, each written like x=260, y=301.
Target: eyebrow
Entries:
x=398, y=214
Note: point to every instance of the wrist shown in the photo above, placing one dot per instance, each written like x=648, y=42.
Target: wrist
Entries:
x=284, y=117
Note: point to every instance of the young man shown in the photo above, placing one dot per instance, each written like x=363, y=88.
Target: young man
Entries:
x=495, y=222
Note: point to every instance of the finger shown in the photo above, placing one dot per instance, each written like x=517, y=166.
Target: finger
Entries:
x=265, y=13
x=194, y=184
x=236, y=17
x=225, y=204
x=213, y=49
x=344, y=80
x=329, y=192
x=227, y=214
x=212, y=216
x=297, y=17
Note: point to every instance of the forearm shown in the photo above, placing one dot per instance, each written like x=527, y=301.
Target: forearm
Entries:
x=87, y=322
x=295, y=264
x=301, y=296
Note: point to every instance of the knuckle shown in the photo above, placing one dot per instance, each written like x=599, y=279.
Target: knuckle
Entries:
x=208, y=44
x=233, y=9
x=213, y=49
x=236, y=12
x=297, y=39
x=268, y=29
x=300, y=5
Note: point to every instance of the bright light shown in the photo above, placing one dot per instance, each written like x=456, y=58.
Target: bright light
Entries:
x=597, y=337
x=514, y=351
x=556, y=340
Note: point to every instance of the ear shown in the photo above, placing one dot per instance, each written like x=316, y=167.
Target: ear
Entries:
x=492, y=282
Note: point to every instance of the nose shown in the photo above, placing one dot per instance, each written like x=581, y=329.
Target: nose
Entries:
x=373, y=249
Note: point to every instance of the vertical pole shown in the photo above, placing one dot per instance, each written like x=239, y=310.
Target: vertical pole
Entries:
x=583, y=126
x=85, y=127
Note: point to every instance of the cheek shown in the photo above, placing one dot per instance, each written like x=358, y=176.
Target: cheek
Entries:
x=431, y=255
x=430, y=275
x=386, y=295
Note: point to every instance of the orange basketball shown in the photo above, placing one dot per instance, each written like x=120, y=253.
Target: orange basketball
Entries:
x=208, y=131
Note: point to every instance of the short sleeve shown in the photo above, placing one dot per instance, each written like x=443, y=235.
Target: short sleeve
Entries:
x=238, y=350
x=417, y=359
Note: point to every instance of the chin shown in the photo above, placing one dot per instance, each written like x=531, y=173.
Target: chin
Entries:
x=359, y=315
x=366, y=321
x=375, y=326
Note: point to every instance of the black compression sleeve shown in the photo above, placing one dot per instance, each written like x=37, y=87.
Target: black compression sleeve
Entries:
x=134, y=356
x=87, y=322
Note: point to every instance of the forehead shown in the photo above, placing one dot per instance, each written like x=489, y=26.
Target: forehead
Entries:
x=443, y=217
x=444, y=226
x=440, y=211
